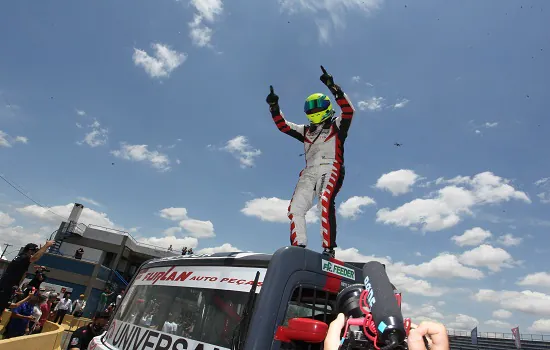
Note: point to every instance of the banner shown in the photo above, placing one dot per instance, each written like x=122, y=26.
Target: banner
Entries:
x=126, y=336
x=474, y=336
x=517, y=337
x=213, y=277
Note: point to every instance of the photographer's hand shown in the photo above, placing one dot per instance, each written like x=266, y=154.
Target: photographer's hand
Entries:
x=332, y=341
x=435, y=332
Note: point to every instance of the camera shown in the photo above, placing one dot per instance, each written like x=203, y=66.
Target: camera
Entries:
x=373, y=312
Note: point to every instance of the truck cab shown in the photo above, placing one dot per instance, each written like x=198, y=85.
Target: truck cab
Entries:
x=222, y=301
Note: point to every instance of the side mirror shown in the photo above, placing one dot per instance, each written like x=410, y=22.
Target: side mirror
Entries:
x=302, y=329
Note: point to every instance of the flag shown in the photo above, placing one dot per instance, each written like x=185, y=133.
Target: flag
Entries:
x=517, y=337
x=474, y=336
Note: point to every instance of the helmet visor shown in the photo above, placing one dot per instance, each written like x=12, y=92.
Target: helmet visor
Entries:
x=316, y=105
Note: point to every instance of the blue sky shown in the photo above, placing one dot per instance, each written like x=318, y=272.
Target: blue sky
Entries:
x=135, y=107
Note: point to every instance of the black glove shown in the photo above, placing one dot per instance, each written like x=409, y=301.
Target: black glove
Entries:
x=272, y=99
x=328, y=80
x=273, y=102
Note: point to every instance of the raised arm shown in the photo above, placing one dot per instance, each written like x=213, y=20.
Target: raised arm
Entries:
x=289, y=128
x=344, y=120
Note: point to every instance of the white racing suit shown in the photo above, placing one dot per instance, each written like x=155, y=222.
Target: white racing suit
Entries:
x=324, y=172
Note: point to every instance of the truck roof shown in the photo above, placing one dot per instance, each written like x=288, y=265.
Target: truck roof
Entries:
x=242, y=259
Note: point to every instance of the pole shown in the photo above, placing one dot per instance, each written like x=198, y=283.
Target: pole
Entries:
x=4, y=251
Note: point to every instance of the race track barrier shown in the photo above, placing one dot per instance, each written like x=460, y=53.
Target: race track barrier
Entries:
x=50, y=337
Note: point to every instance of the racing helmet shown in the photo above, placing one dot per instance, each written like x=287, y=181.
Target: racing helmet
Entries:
x=318, y=108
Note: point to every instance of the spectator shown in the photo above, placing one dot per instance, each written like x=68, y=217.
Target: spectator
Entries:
x=46, y=309
x=63, y=307
x=170, y=248
x=17, y=269
x=36, y=313
x=119, y=298
x=78, y=306
x=103, y=299
x=37, y=280
x=184, y=251
x=18, y=324
x=79, y=253
x=82, y=337
x=190, y=252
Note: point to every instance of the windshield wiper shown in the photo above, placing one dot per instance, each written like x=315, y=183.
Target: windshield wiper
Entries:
x=239, y=334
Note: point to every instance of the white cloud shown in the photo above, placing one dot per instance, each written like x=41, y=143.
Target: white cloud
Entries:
x=207, y=10
x=88, y=216
x=499, y=324
x=501, y=313
x=176, y=242
x=462, y=322
x=423, y=313
x=97, y=136
x=540, y=326
x=242, y=150
x=21, y=139
x=446, y=208
x=140, y=153
x=80, y=112
x=443, y=266
x=537, y=279
x=5, y=220
x=472, y=237
x=401, y=103
x=162, y=64
x=89, y=200
x=397, y=182
x=78, y=125
x=171, y=231
x=433, y=214
x=274, y=210
x=401, y=280
x=529, y=302
x=544, y=197
x=372, y=104
x=19, y=236
x=8, y=141
x=174, y=214
x=356, y=79
x=491, y=125
x=544, y=184
x=198, y=228
x=335, y=10
x=487, y=256
x=200, y=34
x=224, y=248
x=509, y=240
x=351, y=207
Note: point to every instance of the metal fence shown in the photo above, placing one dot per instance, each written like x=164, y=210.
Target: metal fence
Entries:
x=498, y=335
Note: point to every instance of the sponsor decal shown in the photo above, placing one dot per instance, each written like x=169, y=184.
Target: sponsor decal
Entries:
x=212, y=277
x=337, y=269
x=126, y=336
x=74, y=341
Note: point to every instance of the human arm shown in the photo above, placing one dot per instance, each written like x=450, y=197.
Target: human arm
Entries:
x=289, y=128
x=436, y=334
x=16, y=305
x=344, y=120
x=36, y=256
x=18, y=313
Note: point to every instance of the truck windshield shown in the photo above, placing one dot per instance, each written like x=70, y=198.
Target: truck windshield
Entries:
x=163, y=316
